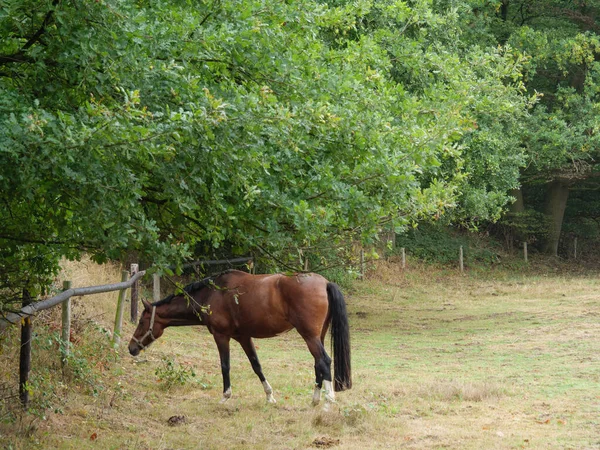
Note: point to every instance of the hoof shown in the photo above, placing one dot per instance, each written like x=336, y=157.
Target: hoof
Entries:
x=271, y=399
x=226, y=396
x=316, y=396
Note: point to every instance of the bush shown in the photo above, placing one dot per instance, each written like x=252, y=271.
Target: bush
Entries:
x=440, y=245
x=171, y=374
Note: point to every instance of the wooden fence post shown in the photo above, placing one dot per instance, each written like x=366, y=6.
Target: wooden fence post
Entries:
x=66, y=324
x=575, y=247
x=134, y=294
x=119, y=314
x=525, y=255
x=461, y=259
x=403, y=253
x=362, y=264
x=25, y=353
x=156, y=287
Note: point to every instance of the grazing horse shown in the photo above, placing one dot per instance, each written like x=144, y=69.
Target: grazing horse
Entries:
x=241, y=306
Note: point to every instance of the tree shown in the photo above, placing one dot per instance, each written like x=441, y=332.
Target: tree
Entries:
x=561, y=43
x=280, y=129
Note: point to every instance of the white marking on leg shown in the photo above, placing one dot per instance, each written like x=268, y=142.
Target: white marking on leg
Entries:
x=226, y=395
x=329, y=393
x=316, y=395
x=269, y=392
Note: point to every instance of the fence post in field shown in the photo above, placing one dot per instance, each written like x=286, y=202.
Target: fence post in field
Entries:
x=134, y=294
x=25, y=353
x=461, y=259
x=119, y=314
x=66, y=324
x=155, y=287
x=403, y=253
x=525, y=256
x=575, y=247
x=362, y=264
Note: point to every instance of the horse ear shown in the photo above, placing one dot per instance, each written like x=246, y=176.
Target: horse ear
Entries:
x=147, y=306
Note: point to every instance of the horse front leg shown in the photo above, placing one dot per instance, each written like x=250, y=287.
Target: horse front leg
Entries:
x=250, y=351
x=223, y=347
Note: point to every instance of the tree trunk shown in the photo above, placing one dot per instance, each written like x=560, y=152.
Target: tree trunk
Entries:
x=556, y=201
x=514, y=209
x=518, y=206
x=504, y=10
x=505, y=34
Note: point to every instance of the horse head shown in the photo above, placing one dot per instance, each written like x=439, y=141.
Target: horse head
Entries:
x=148, y=330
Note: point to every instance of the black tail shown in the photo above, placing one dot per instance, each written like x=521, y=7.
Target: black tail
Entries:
x=340, y=338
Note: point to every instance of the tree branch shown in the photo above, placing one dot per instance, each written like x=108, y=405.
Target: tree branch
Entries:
x=38, y=34
x=29, y=240
x=19, y=56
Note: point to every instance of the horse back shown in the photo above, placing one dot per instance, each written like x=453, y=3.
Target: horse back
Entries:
x=267, y=305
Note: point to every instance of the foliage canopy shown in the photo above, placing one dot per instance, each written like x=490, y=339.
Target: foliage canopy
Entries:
x=284, y=129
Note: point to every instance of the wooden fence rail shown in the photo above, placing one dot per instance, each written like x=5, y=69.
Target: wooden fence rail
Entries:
x=31, y=309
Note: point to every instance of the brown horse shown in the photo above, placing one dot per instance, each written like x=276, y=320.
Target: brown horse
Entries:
x=241, y=306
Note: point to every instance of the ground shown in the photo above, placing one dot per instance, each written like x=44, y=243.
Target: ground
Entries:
x=440, y=360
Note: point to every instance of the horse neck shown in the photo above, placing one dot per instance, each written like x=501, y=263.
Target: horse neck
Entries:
x=180, y=312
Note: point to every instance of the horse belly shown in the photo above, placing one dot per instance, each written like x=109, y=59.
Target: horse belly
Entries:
x=270, y=326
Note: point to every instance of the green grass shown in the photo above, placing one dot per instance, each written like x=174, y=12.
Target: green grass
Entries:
x=439, y=361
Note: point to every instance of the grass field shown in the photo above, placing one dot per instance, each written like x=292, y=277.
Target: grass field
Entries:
x=440, y=360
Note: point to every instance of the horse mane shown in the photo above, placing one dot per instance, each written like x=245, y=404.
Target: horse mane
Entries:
x=194, y=287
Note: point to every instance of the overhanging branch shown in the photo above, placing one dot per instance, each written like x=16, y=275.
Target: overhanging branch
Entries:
x=20, y=56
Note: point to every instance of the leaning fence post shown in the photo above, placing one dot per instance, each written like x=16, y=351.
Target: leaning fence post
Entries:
x=156, y=287
x=119, y=314
x=134, y=294
x=25, y=353
x=461, y=259
x=66, y=323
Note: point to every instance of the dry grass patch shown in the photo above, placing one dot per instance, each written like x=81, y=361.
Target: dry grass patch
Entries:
x=464, y=391
x=83, y=273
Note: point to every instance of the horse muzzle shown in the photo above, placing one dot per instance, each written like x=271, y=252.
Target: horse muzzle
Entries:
x=134, y=349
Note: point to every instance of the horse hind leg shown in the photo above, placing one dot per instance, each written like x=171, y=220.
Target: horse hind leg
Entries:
x=322, y=370
x=250, y=351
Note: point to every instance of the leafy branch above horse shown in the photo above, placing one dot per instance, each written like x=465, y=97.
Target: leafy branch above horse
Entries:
x=237, y=305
